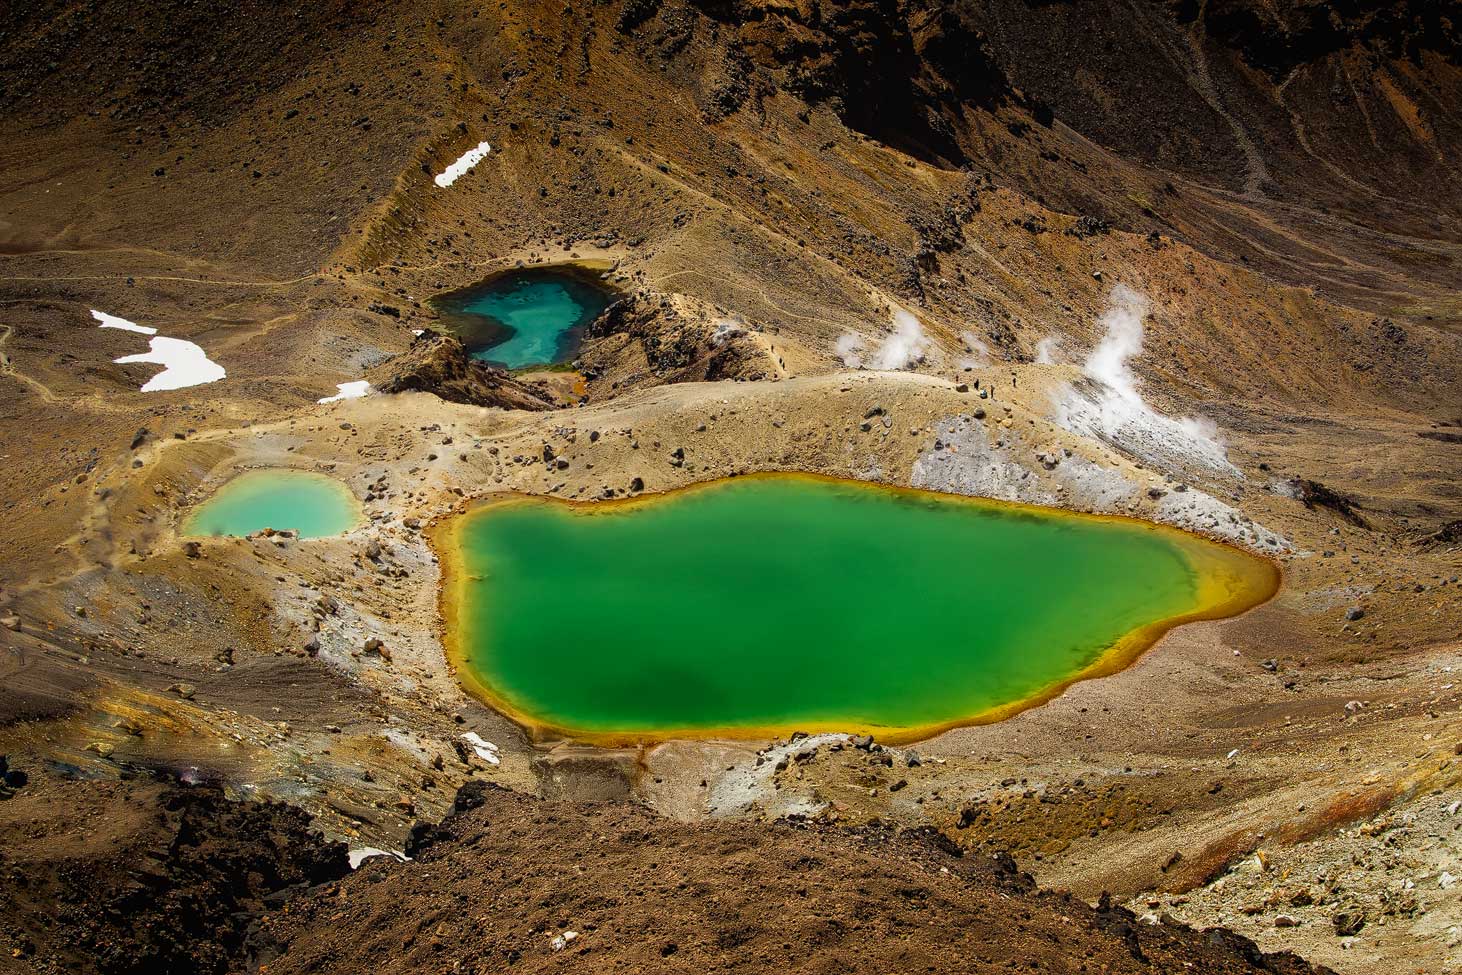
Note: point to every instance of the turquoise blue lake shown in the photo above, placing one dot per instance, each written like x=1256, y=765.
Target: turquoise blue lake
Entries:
x=528, y=317
x=311, y=504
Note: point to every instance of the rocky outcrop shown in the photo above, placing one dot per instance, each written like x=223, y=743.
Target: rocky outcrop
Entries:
x=1278, y=37
x=143, y=877
x=899, y=72
x=1313, y=494
x=1448, y=534
x=440, y=365
x=676, y=339
x=1245, y=95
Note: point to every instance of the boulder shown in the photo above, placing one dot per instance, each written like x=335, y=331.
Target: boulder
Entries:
x=1348, y=921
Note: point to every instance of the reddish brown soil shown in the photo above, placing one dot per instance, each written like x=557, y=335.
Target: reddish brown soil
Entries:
x=1281, y=178
x=496, y=884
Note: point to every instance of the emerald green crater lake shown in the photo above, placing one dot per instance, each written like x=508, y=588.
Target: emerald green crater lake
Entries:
x=770, y=603
x=312, y=504
x=528, y=317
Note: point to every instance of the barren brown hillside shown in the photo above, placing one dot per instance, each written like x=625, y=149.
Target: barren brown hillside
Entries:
x=1270, y=191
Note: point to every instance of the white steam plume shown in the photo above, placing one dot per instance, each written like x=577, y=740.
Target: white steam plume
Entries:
x=1111, y=408
x=726, y=329
x=975, y=345
x=1047, y=349
x=1107, y=363
x=905, y=347
x=849, y=348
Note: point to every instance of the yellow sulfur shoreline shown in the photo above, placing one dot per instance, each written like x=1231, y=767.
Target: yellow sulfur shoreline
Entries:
x=1230, y=582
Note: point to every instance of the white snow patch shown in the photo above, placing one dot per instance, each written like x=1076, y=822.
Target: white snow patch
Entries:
x=112, y=321
x=351, y=390
x=463, y=165
x=1111, y=408
x=484, y=749
x=361, y=854
x=184, y=364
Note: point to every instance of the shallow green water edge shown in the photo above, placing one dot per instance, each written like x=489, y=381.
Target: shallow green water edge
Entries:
x=587, y=621
x=527, y=317
x=312, y=504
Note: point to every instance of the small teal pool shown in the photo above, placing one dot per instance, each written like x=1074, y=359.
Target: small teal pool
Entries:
x=311, y=504
x=527, y=317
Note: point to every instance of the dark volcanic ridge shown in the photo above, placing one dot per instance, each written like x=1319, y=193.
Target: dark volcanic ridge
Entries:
x=145, y=877
x=140, y=876
x=510, y=880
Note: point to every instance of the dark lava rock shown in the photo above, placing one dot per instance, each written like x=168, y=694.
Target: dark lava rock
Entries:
x=439, y=364
x=1449, y=534
x=472, y=795
x=1088, y=226
x=10, y=778
x=677, y=345
x=1313, y=494
x=164, y=879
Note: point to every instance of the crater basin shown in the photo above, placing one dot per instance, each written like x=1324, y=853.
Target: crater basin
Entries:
x=312, y=504
x=531, y=316
x=760, y=605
